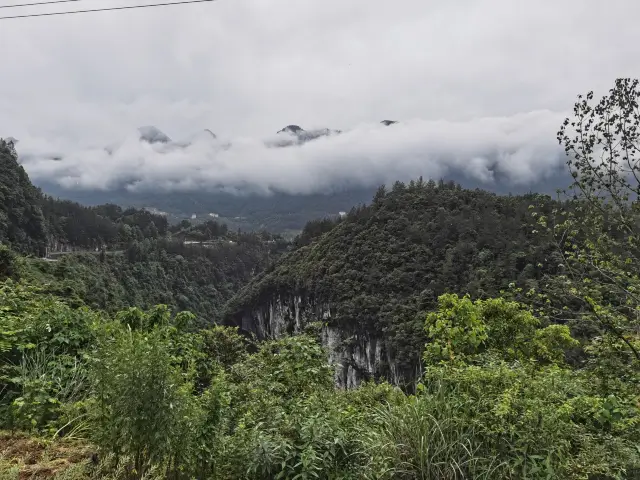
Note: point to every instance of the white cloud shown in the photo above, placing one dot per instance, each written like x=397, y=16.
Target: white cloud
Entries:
x=521, y=148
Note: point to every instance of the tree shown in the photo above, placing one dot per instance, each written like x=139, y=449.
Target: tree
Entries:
x=140, y=374
x=9, y=263
x=465, y=331
x=22, y=223
x=599, y=233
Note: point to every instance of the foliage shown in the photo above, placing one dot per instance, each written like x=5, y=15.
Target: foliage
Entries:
x=9, y=263
x=279, y=373
x=462, y=329
x=22, y=224
x=158, y=396
x=46, y=384
x=598, y=235
x=384, y=265
x=456, y=330
x=142, y=388
x=314, y=229
x=195, y=278
x=505, y=378
x=224, y=345
x=41, y=342
x=423, y=437
x=318, y=434
x=534, y=423
x=78, y=227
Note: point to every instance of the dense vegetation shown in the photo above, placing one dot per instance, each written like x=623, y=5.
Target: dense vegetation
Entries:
x=159, y=271
x=161, y=400
x=146, y=393
x=386, y=264
x=21, y=221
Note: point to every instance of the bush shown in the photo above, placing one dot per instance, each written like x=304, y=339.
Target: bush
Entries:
x=535, y=422
x=9, y=263
x=424, y=437
x=143, y=397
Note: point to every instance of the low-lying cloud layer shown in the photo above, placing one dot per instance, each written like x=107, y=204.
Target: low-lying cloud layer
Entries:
x=519, y=149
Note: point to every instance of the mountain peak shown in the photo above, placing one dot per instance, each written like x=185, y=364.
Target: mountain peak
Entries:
x=292, y=129
x=153, y=134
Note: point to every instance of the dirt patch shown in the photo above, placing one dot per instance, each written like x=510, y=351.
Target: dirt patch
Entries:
x=38, y=458
x=20, y=446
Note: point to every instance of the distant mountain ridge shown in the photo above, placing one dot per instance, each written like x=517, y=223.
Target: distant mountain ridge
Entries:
x=302, y=136
x=277, y=211
x=299, y=135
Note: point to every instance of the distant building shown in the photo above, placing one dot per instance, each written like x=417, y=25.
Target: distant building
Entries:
x=193, y=217
x=342, y=214
x=214, y=215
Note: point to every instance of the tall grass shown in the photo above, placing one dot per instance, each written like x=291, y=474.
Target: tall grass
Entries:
x=45, y=386
x=424, y=439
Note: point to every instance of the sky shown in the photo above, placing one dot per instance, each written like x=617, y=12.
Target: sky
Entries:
x=474, y=83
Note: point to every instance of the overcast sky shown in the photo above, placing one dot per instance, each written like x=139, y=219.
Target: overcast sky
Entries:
x=246, y=68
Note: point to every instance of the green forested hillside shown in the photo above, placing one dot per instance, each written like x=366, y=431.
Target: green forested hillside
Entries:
x=22, y=224
x=145, y=395
x=387, y=263
x=160, y=271
x=75, y=226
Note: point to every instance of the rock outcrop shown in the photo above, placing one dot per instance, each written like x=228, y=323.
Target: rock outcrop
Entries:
x=357, y=355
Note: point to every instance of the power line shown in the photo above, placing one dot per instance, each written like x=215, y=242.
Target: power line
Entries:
x=38, y=3
x=106, y=9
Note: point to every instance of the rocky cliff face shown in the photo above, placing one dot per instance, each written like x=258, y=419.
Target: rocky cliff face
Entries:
x=357, y=355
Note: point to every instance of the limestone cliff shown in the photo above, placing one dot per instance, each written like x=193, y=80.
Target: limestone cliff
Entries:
x=357, y=355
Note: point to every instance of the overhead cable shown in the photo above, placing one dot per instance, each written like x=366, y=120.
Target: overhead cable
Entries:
x=106, y=9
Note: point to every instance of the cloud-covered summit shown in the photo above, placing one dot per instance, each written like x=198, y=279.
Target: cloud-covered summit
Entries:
x=296, y=135
x=151, y=134
x=516, y=150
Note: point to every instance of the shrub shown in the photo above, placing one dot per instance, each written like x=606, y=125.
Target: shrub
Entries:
x=143, y=397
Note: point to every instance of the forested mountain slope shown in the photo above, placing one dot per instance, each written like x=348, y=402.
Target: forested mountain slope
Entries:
x=372, y=276
x=111, y=258
x=33, y=223
x=197, y=278
x=21, y=221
